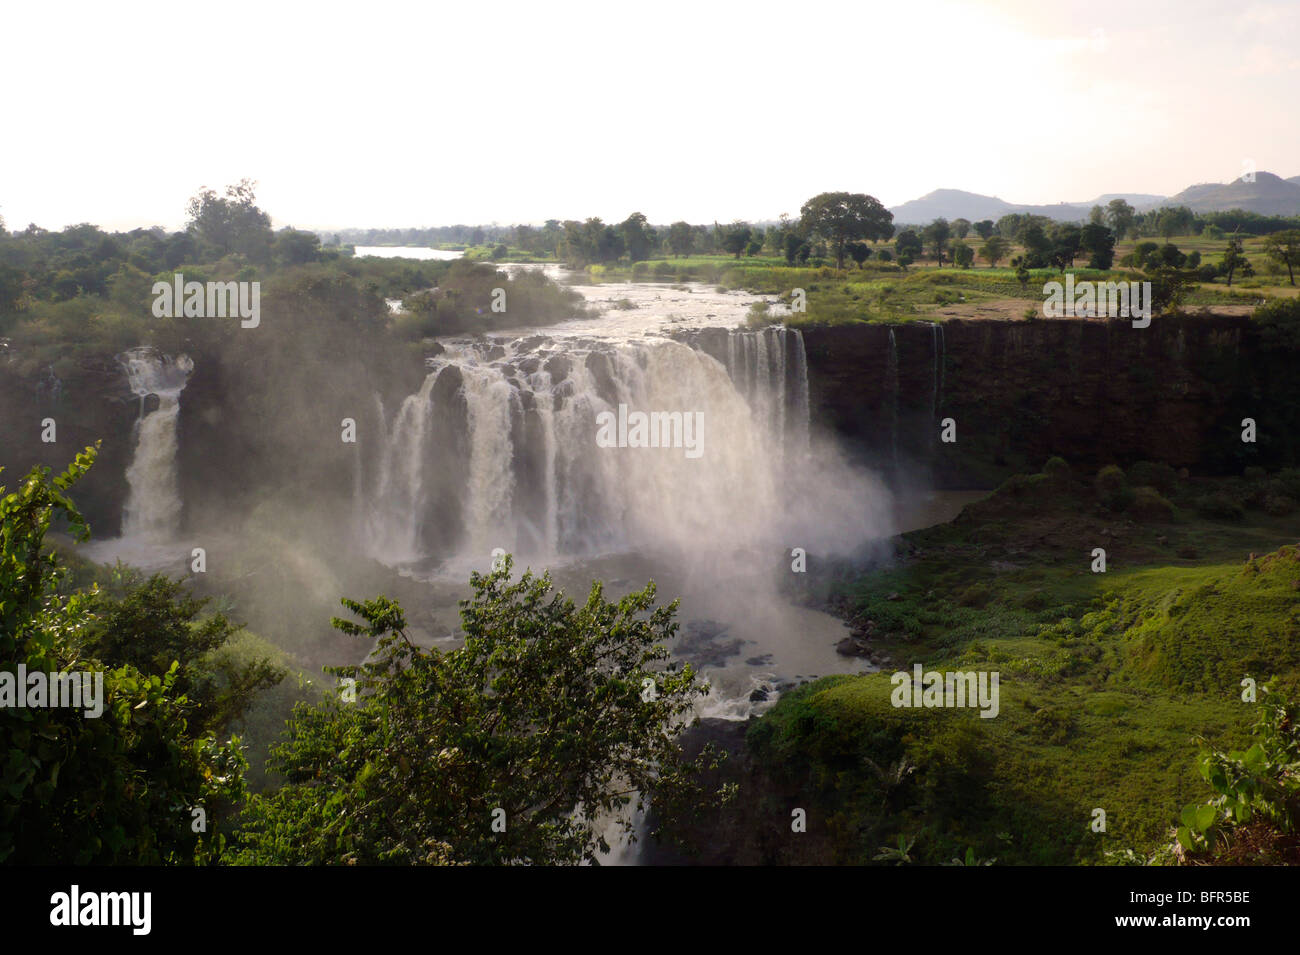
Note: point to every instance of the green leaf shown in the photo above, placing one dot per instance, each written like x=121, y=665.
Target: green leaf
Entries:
x=1204, y=818
x=1255, y=759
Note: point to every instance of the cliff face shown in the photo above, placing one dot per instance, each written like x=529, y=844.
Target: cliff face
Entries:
x=90, y=401
x=1093, y=392
x=1019, y=392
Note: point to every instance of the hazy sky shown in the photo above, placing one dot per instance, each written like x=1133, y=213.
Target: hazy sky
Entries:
x=406, y=114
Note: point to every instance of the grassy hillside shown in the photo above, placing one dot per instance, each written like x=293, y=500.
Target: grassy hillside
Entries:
x=1106, y=679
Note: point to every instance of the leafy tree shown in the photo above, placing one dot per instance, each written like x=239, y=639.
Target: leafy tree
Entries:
x=1096, y=216
x=1022, y=273
x=736, y=238
x=550, y=716
x=961, y=228
x=984, y=228
x=793, y=243
x=1009, y=226
x=1038, y=247
x=681, y=238
x=1168, y=286
x=1099, y=242
x=154, y=626
x=860, y=252
x=1172, y=221
x=1119, y=214
x=293, y=247
x=1284, y=248
x=962, y=255
x=908, y=243
x=233, y=222
x=1065, y=246
x=117, y=788
x=638, y=237
x=994, y=250
x=1167, y=256
x=1234, y=260
x=840, y=217
x=936, y=237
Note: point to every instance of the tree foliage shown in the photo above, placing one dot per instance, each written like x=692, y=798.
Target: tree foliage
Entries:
x=119, y=788
x=548, y=721
x=841, y=217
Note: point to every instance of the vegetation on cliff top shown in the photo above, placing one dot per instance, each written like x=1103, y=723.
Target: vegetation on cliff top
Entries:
x=1107, y=679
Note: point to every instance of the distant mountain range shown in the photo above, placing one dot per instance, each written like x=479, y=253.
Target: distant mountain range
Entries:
x=1267, y=195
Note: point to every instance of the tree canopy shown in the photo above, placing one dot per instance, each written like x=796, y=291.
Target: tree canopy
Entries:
x=519, y=746
x=841, y=217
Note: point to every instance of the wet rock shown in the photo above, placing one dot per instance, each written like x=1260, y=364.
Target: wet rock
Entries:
x=704, y=645
x=852, y=647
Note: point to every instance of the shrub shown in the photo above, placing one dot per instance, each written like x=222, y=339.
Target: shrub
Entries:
x=1112, y=488
x=1057, y=469
x=1154, y=474
x=1220, y=506
x=1256, y=787
x=1149, y=505
x=1278, y=505
x=1052, y=725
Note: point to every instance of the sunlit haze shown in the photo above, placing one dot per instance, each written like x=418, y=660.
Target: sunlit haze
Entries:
x=396, y=114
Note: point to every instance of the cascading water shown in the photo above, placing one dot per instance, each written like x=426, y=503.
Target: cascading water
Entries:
x=498, y=449
x=153, y=504
x=151, y=514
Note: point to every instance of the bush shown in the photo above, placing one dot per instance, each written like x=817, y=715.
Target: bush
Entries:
x=976, y=595
x=1052, y=725
x=1112, y=488
x=1278, y=505
x=1280, y=311
x=1057, y=469
x=1219, y=506
x=1149, y=505
x=1154, y=474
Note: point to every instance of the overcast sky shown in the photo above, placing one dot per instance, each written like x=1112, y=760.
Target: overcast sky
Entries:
x=412, y=114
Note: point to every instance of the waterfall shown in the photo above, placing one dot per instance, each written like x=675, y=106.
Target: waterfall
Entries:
x=498, y=449
x=153, y=504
